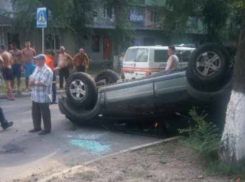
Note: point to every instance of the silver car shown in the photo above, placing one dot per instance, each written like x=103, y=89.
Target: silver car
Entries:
x=208, y=75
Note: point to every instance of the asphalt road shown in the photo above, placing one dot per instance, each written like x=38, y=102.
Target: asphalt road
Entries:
x=23, y=154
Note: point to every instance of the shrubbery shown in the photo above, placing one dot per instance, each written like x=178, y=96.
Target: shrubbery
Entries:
x=202, y=135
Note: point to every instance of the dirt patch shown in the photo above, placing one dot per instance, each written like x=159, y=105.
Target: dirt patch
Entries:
x=166, y=162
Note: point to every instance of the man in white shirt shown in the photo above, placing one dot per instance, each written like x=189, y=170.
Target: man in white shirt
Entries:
x=173, y=60
x=41, y=96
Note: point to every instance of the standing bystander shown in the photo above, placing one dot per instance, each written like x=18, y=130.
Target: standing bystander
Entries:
x=81, y=61
x=7, y=62
x=64, y=60
x=173, y=60
x=50, y=63
x=41, y=83
x=29, y=65
x=17, y=66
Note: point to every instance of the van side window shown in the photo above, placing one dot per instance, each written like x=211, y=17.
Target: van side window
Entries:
x=160, y=56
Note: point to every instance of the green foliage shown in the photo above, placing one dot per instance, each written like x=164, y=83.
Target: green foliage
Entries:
x=68, y=14
x=215, y=14
x=202, y=135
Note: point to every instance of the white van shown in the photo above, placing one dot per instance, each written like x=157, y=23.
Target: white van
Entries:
x=141, y=61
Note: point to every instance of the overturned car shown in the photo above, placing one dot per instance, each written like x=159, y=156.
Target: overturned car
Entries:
x=207, y=76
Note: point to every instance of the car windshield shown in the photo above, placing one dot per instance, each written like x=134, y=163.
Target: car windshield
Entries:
x=136, y=55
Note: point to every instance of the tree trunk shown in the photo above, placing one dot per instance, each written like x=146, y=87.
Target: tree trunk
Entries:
x=232, y=142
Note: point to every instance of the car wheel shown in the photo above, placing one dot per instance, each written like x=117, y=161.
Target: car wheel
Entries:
x=106, y=77
x=81, y=90
x=210, y=67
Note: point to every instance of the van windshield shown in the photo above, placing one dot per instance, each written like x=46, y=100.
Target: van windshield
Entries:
x=136, y=55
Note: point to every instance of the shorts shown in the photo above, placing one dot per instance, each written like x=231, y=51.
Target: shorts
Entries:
x=29, y=69
x=16, y=70
x=7, y=74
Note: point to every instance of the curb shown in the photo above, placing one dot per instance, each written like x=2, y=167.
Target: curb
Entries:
x=132, y=149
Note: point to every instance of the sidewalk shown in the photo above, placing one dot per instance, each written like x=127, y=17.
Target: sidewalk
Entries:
x=164, y=162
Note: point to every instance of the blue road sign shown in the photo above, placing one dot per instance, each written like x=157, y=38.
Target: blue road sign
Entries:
x=42, y=18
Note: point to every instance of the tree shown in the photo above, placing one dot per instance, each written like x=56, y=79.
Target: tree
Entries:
x=62, y=14
x=213, y=13
x=232, y=142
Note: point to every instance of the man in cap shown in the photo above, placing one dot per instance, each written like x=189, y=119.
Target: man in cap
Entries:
x=41, y=96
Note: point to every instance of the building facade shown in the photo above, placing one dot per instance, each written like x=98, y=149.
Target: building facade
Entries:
x=99, y=41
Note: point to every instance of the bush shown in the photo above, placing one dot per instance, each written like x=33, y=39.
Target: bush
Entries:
x=202, y=135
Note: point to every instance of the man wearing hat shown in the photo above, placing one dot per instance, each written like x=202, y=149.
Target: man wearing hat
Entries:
x=41, y=96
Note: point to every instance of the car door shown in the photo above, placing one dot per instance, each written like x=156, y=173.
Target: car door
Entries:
x=130, y=99
x=170, y=89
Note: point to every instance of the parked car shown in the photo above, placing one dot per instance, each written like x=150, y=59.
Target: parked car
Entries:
x=141, y=61
x=208, y=75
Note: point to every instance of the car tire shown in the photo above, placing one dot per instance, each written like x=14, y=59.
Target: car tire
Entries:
x=209, y=68
x=106, y=77
x=81, y=90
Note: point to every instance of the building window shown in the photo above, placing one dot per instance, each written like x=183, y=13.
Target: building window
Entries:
x=149, y=41
x=52, y=41
x=96, y=43
x=154, y=16
x=108, y=12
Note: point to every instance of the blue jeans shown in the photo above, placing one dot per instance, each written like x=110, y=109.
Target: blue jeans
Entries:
x=2, y=118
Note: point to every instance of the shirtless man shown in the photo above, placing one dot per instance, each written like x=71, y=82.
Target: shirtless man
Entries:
x=64, y=60
x=29, y=66
x=173, y=60
x=7, y=71
x=81, y=61
x=18, y=64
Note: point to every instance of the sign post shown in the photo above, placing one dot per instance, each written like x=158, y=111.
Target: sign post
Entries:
x=42, y=22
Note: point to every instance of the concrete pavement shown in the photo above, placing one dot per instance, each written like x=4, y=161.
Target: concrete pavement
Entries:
x=23, y=154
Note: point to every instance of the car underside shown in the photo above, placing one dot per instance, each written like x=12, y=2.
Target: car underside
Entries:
x=156, y=96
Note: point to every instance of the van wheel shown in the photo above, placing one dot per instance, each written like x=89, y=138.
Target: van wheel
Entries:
x=210, y=67
x=81, y=90
x=106, y=77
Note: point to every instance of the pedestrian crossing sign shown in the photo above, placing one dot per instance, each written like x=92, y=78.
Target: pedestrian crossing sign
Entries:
x=42, y=18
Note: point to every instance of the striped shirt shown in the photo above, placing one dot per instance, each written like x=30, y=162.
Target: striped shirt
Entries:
x=42, y=94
